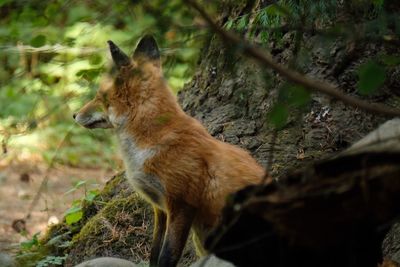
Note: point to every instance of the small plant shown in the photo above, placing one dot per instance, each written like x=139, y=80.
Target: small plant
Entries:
x=29, y=244
x=51, y=260
x=75, y=213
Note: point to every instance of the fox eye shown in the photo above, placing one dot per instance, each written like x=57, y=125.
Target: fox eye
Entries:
x=102, y=96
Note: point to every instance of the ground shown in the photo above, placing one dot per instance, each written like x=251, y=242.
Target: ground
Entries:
x=19, y=182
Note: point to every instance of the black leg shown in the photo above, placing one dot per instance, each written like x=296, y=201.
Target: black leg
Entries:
x=160, y=221
x=179, y=221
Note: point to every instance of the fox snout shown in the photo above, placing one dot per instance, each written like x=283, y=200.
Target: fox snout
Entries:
x=92, y=121
x=90, y=117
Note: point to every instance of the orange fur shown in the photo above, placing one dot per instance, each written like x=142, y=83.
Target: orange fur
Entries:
x=195, y=171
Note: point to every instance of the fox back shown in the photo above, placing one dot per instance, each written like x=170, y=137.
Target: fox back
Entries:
x=170, y=158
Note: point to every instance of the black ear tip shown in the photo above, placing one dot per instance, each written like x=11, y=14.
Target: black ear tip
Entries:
x=148, y=46
x=149, y=40
x=148, y=37
x=112, y=45
x=119, y=57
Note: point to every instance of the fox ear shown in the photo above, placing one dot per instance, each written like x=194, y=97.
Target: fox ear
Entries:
x=147, y=47
x=119, y=57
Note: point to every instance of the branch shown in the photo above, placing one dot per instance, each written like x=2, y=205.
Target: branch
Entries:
x=266, y=59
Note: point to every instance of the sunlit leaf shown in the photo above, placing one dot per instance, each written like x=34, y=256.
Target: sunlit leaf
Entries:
x=371, y=77
x=90, y=196
x=89, y=74
x=73, y=209
x=229, y=24
x=73, y=215
x=70, y=191
x=79, y=184
x=95, y=59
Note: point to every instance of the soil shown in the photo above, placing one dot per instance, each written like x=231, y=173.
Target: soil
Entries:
x=19, y=182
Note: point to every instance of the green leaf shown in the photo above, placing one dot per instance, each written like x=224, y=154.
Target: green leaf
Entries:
x=298, y=96
x=371, y=76
x=243, y=22
x=34, y=241
x=278, y=115
x=276, y=10
x=91, y=195
x=72, y=210
x=79, y=184
x=378, y=3
x=73, y=217
x=390, y=60
x=38, y=41
x=95, y=59
x=73, y=189
x=89, y=74
x=229, y=24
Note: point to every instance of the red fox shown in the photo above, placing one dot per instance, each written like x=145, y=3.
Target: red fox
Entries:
x=170, y=158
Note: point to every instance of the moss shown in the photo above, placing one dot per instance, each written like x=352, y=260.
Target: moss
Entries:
x=115, y=186
x=111, y=212
x=122, y=228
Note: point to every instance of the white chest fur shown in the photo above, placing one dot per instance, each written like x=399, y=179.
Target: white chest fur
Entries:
x=148, y=185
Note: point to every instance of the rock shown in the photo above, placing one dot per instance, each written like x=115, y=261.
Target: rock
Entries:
x=107, y=262
x=391, y=244
x=6, y=260
x=385, y=138
x=211, y=261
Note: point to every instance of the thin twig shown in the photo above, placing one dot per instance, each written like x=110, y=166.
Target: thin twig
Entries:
x=46, y=176
x=271, y=153
x=266, y=59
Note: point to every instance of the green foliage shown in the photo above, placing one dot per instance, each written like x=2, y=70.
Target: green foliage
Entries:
x=53, y=55
x=51, y=260
x=390, y=60
x=290, y=96
x=278, y=116
x=75, y=213
x=38, y=41
x=29, y=244
x=33, y=253
x=371, y=76
x=294, y=95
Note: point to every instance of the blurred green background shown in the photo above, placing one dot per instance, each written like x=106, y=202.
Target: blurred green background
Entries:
x=52, y=56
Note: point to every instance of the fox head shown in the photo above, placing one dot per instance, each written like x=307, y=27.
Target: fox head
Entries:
x=137, y=83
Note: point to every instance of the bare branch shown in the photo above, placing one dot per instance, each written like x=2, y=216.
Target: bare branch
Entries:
x=266, y=59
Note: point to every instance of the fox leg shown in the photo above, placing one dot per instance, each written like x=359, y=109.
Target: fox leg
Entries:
x=179, y=221
x=160, y=221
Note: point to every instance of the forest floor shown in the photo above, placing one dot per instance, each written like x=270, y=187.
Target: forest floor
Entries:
x=19, y=183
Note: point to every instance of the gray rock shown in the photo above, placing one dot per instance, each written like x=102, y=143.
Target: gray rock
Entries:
x=391, y=244
x=211, y=261
x=385, y=138
x=107, y=262
x=6, y=260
